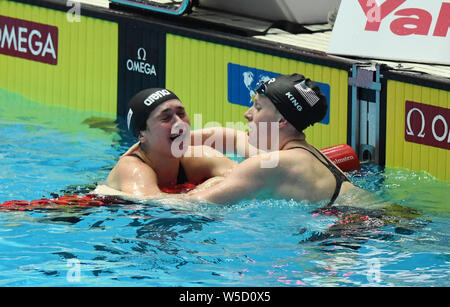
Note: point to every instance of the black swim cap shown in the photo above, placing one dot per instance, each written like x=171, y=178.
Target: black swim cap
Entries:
x=142, y=104
x=297, y=98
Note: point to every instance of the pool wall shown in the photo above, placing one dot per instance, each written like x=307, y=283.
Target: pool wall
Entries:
x=104, y=56
x=209, y=75
x=84, y=75
x=418, y=122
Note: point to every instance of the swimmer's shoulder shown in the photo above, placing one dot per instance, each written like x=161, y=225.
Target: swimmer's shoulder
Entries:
x=127, y=168
x=281, y=168
x=282, y=161
x=129, y=161
x=301, y=162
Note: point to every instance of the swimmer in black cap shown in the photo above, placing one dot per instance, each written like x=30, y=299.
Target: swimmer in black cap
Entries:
x=286, y=106
x=163, y=157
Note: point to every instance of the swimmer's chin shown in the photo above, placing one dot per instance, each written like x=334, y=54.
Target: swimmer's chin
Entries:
x=179, y=147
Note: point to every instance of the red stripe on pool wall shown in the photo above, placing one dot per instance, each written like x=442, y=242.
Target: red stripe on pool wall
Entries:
x=29, y=40
x=427, y=125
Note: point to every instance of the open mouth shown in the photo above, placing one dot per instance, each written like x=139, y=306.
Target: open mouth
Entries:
x=178, y=143
x=179, y=132
x=174, y=136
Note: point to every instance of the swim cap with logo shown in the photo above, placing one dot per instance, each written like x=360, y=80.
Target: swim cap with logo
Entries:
x=297, y=98
x=143, y=104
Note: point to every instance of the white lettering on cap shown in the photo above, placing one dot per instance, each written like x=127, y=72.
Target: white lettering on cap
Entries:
x=130, y=114
x=156, y=96
x=294, y=101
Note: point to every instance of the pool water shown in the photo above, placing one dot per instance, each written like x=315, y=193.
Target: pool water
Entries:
x=47, y=151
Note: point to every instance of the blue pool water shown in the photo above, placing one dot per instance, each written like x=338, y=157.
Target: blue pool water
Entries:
x=48, y=150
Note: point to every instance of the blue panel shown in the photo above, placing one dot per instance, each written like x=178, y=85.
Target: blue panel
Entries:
x=242, y=82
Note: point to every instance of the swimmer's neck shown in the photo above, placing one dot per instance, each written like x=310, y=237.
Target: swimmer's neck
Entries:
x=165, y=167
x=293, y=141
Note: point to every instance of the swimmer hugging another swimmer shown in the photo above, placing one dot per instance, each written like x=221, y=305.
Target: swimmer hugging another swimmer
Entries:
x=283, y=108
x=163, y=159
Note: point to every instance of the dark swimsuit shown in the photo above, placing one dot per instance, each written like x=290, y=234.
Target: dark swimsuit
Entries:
x=338, y=175
x=181, y=179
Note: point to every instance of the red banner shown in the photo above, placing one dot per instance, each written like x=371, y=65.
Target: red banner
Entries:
x=29, y=40
x=427, y=125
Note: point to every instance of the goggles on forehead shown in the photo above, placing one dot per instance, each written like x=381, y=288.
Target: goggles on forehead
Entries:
x=261, y=87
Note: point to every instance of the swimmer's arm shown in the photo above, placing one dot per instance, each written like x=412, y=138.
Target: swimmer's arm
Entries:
x=104, y=190
x=225, y=140
x=247, y=181
x=206, y=162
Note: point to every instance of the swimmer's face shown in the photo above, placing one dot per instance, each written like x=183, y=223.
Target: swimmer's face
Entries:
x=168, y=129
x=263, y=120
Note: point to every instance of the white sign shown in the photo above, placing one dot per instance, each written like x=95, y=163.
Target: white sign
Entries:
x=397, y=30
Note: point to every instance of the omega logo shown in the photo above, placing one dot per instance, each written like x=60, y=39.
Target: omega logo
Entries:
x=140, y=65
x=29, y=40
x=408, y=122
x=433, y=125
x=143, y=52
x=433, y=122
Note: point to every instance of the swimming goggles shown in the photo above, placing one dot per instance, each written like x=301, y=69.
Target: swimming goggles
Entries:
x=261, y=87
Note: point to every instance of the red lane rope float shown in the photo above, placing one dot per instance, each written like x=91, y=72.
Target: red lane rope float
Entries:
x=88, y=200
x=343, y=156
x=68, y=200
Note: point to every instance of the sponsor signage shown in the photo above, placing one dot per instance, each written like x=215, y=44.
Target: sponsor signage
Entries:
x=140, y=64
x=242, y=82
x=29, y=40
x=427, y=125
x=404, y=30
x=142, y=61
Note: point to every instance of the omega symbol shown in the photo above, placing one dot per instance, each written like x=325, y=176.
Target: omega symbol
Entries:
x=408, y=122
x=141, y=51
